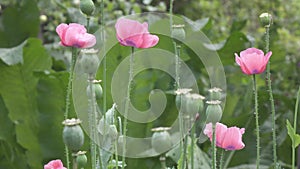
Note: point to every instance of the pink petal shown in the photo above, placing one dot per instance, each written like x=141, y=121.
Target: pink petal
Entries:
x=127, y=28
x=149, y=41
x=237, y=59
x=86, y=40
x=251, y=51
x=233, y=139
x=208, y=130
x=221, y=130
x=267, y=57
x=244, y=69
x=54, y=164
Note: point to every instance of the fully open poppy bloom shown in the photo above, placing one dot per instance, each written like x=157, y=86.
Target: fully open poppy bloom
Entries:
x=226, y=138
x=252, y=61
x=132, y=33
x=75, y=35
x=54, y=164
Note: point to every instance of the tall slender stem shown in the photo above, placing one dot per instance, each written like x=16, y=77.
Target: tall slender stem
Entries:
x=127, y=102
x=267, y=39
x=171, y=14
x=222, y=159
x=228, y=159
x=68, y=96
x=257, y=123
x=295, y=127
x=214, y=150
x=193, y=131
x=92, y=119
x=88, y=24
x=162, y=160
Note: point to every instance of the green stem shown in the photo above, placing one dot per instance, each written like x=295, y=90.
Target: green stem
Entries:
x=68, y=96
x=193, y=131
x=271, y=98
x=228, y=159
x=74, y=162
x=214, y=150
x=171, y=14
x=295, y=127
x=127, y=102
x=162, y=160
x=257, y=123
x=92, y=119
x=88, y=24
x=177, y=64
x=222, y=159
x=185, y=141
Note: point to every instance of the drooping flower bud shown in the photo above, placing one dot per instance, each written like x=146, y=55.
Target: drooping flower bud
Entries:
x=87, y=7
x=178, y=33
x=213, y=111
x=81, y=159
x=89, y=61
x=265, y=19
x=215, y=93
x=73, y=135
x=161, y=140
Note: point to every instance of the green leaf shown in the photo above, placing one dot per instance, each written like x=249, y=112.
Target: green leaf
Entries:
x=294, y=137
x=12, y=56
x=18, y=89
x=18, y=23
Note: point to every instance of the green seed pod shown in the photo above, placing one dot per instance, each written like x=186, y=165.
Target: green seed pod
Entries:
x=89, y=61
x=215, y=93
x=213, y=111
x=73, y=135
x=194, y=103
x=180, y=99
x=178, y=33
x=87, y=7
x=265, y=19
x=81, y=159
x=98, y=90
x=161, y=140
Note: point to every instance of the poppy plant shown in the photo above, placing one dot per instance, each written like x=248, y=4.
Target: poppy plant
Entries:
x=54, y=164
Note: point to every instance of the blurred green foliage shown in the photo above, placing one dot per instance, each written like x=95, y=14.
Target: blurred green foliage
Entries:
x=33, y=71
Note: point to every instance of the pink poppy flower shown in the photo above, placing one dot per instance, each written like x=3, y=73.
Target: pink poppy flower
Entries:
x=226, y=138
x=132, y=33
x=54, y=164
x=252, y=61
x=75, y=35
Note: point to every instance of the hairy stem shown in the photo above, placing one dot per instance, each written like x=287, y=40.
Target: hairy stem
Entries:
x=193, y=131
x=127, y=102
x=257, y=123
x=271, y=98
x=214, y=150
x=295, y=127
x=68, y=97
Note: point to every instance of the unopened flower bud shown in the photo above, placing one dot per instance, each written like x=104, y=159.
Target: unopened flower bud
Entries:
x=81, y=159
x=89, y=61
x=213, y=111
x=215, y=93
x=178, y=33
x=87, y=7
x=161, y=140
x=73, y=135
x=265, y=19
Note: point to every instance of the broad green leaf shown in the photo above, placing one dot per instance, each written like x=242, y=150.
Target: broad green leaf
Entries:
x=18, y=23
x=294, y=137
x=18, y=89
x=12, y=56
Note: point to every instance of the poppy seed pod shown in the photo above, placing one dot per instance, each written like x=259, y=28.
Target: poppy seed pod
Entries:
x=215, y=93
x=178, y=33
x=161, y=140
x=213, y=111
x=265, y=19
x=73, y=135
x=87, y=7
x=194, y=103
x=98, y=90
x=89, y=61
x=81, y=159
x=180, y=99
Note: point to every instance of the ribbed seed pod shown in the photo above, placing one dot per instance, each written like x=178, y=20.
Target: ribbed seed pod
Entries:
x=161, y=140
x=73, y=135
x=213, y=111
x=87, y=7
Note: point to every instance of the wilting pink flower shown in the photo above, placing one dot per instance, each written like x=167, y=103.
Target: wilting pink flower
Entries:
x=54, y=164
x=132, y=33
x=226, y=138
x=75, y=35
x=252, y=61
